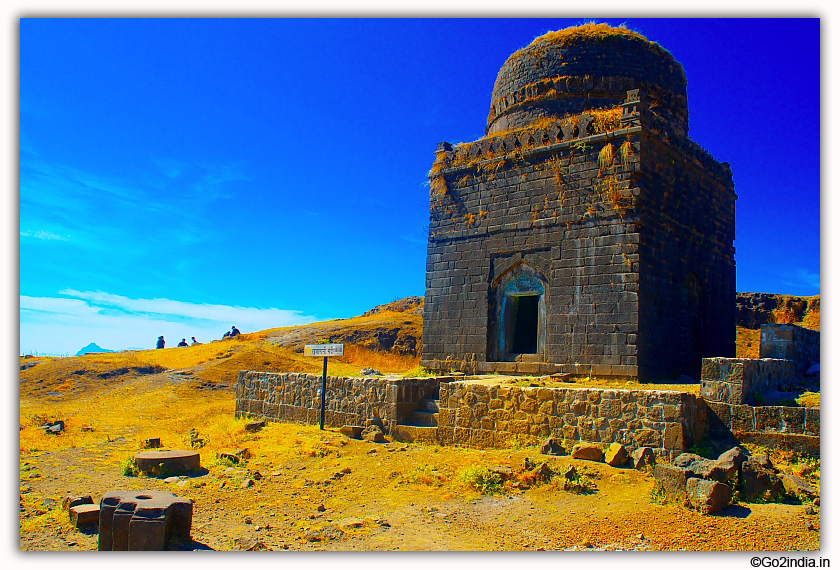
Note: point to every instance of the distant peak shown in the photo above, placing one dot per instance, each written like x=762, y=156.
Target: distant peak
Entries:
x=92, y=347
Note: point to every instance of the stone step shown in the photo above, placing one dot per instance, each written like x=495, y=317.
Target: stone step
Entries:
x=419, y=434
x=423, y=418
x=429, y=405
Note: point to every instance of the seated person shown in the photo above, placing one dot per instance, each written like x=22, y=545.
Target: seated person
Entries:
x=183, y=342
x=234, y=331
x=195, y=342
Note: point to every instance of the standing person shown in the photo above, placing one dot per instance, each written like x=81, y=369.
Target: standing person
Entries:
x=195, y=342
x=160, y=342
x=183, y=342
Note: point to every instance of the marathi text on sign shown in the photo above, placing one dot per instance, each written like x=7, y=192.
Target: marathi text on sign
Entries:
x=323, y=350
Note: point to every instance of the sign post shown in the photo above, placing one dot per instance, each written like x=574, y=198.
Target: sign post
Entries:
x=325, y=350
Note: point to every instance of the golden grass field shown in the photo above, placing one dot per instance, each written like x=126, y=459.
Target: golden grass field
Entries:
x=407, y=497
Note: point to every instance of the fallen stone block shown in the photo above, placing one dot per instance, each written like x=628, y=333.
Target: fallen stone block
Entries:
x=353, y=432
x=671, y=480
x=758, y=481
x=373, y=434
x=174, y=462
x=254, y=426
x=702, y=468
x=552, y=447
x=643, y=457
x=77, y=500
x=151, y=442
x=730, y=461
x=588, y=451
x=143, y=520
x=707, y=496
x=616, y=455
x=83, y=515
x=231, y=457
x=797, y=487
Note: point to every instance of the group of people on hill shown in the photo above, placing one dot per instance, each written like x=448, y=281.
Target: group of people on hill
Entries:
x=161, y=343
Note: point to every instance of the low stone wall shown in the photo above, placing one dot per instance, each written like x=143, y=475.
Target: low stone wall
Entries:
x=478, y=415
x=350, y=401
x=791, y=342
x=467, y=366
x=776, y=426
x=739, y=380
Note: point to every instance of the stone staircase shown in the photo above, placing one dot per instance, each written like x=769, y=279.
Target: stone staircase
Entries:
x=421, y=424
x=426, y=414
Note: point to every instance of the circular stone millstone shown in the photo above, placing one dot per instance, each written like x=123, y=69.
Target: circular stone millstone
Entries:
x=174, y=462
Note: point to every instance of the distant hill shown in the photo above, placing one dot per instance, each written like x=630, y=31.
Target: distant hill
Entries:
x=92, y=347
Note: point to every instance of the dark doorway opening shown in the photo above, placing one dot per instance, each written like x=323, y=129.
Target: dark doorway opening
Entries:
x=525, y=322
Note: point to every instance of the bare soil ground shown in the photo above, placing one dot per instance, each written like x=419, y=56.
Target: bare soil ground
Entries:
x=303, y=489
x=307, y=484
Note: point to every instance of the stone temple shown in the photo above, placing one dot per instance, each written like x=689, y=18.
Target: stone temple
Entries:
x=586, y=233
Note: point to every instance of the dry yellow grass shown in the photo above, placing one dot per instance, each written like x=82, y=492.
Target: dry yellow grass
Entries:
x=747, y=343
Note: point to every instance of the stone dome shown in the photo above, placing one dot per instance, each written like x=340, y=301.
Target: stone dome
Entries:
x=586, y=67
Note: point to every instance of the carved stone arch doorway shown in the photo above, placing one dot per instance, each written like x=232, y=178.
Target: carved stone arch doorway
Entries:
x=518, y=314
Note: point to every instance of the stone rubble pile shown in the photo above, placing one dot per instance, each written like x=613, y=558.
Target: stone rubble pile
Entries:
x=708, y=485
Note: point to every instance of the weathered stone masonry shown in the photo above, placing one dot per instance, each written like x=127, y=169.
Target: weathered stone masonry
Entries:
x=351, y=401
x=494, y=416
x=564, y=242
x=477, y=415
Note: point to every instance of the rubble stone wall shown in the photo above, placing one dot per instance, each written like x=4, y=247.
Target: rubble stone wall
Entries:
x=350, y=401
x=494, y=416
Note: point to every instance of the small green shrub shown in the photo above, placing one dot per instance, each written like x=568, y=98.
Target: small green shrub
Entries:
x=129, y=467
x=418, y=372
x=483, y=480
x=703, y=449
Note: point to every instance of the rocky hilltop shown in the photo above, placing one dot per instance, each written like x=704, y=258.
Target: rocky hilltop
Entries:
x=756, y=309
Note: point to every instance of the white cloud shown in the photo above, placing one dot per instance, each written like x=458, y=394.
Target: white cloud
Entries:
x=63, y=325
x=41, y=234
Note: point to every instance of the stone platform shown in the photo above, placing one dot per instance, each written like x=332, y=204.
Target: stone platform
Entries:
x=173, y=462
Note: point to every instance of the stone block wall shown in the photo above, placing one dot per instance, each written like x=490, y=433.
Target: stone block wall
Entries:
x=478, y=415
x=350, y=401
x=626, y=237
x=785, y=426
x=740, y=380
x=687, y=292
x=791, y=342
x=576, y=238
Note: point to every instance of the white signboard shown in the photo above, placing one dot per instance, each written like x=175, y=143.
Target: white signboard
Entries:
x=323, y=350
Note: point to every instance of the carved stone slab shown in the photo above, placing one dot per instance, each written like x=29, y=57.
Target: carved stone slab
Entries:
x=143, y=520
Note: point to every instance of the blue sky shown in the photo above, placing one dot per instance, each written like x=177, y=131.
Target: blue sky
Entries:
x=178, y=177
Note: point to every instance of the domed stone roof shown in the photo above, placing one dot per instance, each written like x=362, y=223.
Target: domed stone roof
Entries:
x=586, y=67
